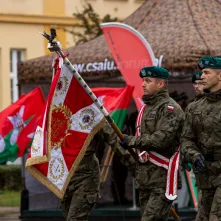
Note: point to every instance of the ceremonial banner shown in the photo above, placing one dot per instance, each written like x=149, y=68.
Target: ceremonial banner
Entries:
x=14, y=119
x=71, y=120
x=26, y=136
x=130, y=55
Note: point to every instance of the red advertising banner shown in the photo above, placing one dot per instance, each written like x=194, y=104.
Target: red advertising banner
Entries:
x=131, y=52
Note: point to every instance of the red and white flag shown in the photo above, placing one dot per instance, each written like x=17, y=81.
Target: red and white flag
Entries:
x=69, y=124
x=59, y=144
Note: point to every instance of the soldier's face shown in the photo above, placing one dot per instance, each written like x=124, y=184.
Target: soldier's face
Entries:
x=151, y=85
x=211, y=79
x=198, y=87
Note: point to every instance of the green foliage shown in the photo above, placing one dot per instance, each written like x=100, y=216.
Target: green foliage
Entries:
x=10, y=198
x=89, y=24
x=10, y=177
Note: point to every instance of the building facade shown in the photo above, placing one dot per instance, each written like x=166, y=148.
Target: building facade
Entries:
x=22, y=20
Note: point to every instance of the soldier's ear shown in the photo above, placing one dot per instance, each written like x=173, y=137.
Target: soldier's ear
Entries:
x=162, y=83
x=219, y=74
x=158, y=82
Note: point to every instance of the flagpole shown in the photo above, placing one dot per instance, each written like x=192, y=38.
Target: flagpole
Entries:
x=55, y=46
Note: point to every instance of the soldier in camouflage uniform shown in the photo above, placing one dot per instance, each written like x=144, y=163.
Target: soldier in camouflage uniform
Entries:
x=198, y=88
x=161, y=127
x=199, y=93
x=197, y=85
x=201, y=140
x=83, y=189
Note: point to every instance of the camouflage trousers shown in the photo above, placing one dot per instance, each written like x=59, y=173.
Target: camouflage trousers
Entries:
x=210, y=205
x=82, y=193
x=153, y=205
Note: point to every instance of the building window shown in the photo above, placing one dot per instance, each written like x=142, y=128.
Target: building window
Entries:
x=16, y=55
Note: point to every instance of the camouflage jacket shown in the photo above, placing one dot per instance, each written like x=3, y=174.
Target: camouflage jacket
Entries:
x=202, y=135
x=161, y=126
x=192, y=103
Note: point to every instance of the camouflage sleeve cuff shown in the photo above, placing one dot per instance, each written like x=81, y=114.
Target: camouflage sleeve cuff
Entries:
x=131, y=141
x=191, y=155
x=124, y=155
x=139, y=142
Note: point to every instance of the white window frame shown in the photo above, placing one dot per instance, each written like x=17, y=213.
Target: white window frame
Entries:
x=14, y=71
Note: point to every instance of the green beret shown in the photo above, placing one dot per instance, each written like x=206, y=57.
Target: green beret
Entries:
x=209, y=62
x=154, y=72
x=196, y=76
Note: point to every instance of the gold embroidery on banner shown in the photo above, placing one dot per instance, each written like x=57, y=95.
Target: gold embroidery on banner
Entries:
x=36, y=160
x=60, y=125
x=87, y=116
x=49, y=128
x=61, y=86
x=56, y=169
x=36, y=140
x=45, y=181
x=45, y=158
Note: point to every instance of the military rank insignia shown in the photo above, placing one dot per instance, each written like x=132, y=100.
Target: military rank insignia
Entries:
x=87, y=117
x=143, y=72
x=201, y=64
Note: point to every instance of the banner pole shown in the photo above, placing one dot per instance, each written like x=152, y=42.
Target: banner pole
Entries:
x=55, y=46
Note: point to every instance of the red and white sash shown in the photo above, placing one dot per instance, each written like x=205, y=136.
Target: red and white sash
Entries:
x=170, y=164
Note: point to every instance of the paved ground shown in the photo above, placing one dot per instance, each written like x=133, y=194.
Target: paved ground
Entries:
x=9, y=213
x=13, y=213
